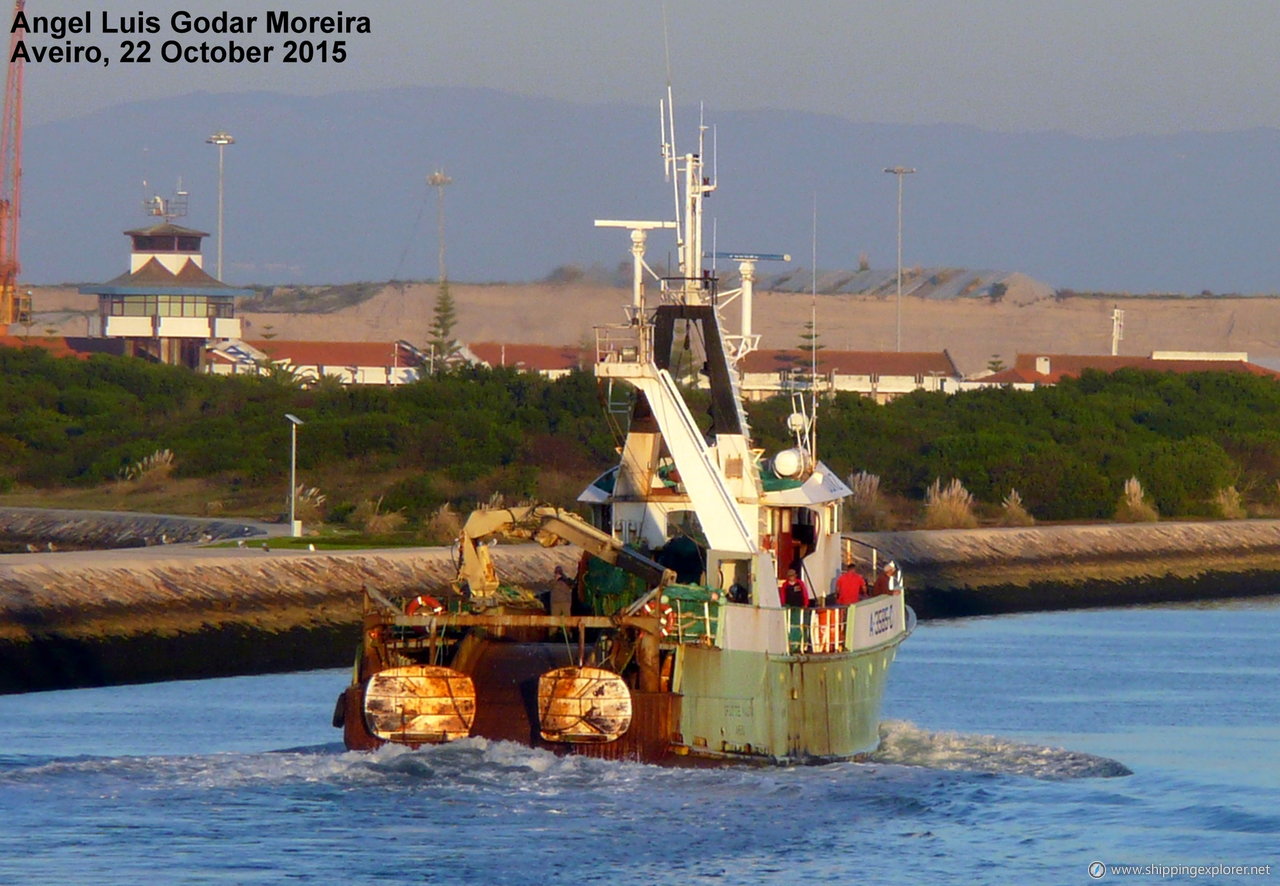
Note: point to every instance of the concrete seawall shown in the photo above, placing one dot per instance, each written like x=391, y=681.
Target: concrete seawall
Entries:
x=162, y=612
x=102, y=617
x=984, y=571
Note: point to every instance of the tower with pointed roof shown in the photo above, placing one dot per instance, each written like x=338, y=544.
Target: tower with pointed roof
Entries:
x=167, y=308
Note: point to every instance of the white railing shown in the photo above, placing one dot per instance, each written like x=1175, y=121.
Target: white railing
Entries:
x=624, y=344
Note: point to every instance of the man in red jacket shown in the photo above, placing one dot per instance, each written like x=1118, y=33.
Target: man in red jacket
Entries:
x=793, y=591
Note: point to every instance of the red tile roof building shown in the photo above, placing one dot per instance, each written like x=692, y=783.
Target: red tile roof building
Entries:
x=549, y=360
x=1032, y=370
x=60, y=346
x=880, y=375
x=366, y=363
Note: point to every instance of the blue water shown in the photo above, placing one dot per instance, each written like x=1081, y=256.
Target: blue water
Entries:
x=1002, y=751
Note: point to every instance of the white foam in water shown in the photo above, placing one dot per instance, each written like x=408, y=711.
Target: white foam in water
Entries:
x=908, y=745
x=479, y=762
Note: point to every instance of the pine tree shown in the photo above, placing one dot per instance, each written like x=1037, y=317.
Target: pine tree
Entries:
x=808, y=347
x=443, y=319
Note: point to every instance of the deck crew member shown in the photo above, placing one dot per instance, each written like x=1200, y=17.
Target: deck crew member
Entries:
x=850, y=586
x=793, y=591
x=889, y=581
x=561, y=596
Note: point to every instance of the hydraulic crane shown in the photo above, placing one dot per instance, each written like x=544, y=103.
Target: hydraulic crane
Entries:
x=15, y=307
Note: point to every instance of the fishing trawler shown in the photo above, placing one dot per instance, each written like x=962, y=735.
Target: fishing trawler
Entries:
x=676, y=643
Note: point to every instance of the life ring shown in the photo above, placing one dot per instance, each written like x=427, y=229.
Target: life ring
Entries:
x=667, y=619
x=824, y=629
x=424, y=601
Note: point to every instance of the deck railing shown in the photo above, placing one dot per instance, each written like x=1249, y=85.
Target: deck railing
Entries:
x=694, y=621
x=624, y=344
x=844, y=628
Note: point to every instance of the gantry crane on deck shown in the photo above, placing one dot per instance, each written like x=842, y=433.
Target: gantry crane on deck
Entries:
x=15, y=307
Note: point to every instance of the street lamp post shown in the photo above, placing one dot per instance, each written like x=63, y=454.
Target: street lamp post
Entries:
x=295, y=525
x=221, y=138
x=899, y=171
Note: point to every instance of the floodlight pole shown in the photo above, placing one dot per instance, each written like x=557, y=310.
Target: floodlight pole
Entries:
x=221, y=138
x=899, y=171
x=295, y=528
x=440, y=181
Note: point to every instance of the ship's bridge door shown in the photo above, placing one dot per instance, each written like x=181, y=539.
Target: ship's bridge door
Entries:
x=794, y=533
x=685, y=552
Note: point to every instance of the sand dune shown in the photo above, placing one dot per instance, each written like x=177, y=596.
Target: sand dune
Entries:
x=1028, y=319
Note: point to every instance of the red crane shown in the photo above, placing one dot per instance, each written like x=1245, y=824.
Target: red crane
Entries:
x=14, y=308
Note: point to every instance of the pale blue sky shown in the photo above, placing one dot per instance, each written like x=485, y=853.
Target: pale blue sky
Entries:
x=1089, y=67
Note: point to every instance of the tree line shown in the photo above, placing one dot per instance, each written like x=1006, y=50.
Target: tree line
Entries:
x=1068, y=449
x=459, y=435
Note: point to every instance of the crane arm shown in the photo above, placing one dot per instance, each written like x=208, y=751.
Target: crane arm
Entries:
x=548, y=526
x=11, y=308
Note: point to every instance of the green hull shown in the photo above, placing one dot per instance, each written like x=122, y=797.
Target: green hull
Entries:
x=782, y=708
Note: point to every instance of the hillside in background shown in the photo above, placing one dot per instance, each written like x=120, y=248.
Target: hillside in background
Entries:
x=332, y=190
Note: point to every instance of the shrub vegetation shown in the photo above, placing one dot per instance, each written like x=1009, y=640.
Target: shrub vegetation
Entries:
x=457, y=437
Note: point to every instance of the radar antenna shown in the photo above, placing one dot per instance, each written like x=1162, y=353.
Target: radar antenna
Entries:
x=167, y=208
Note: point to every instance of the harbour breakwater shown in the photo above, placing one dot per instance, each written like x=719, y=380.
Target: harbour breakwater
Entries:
x=961, y=572
x=171, y=611
x=185, y=611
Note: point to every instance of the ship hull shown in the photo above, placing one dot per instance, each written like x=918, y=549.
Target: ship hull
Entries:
x=783, y=708
x=725, y=705
x=506, y=677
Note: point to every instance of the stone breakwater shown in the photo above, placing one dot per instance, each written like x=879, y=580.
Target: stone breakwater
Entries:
x=169, y=611
x=953, y=573
x=93, y=618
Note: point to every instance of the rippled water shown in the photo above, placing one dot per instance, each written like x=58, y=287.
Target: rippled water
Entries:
x=1004, y=760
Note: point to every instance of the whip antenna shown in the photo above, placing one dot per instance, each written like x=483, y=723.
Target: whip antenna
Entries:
x=669, y=130
x=813, y=353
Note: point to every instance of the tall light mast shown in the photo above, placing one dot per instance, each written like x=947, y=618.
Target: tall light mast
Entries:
x=221, y=138
x=13, y=307
x=440, y=181
x=899, y=171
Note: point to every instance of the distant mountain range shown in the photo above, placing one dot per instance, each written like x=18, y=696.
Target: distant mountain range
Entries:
x=332, y=189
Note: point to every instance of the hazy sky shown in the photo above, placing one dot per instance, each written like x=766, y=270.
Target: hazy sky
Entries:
x=1089, y=67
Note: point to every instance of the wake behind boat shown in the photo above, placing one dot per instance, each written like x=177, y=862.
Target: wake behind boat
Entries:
x=708, y=619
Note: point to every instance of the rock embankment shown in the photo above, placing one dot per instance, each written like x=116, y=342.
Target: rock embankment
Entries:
x=46, y=528
x=90, y=618
x=983, y=571
x=162, y=612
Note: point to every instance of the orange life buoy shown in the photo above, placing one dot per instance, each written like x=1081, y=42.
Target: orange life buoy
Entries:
x=667, y=620
x=824, y=630
x=424, y=601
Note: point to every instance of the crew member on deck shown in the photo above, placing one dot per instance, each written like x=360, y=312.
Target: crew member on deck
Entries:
x=561, y=602
x=850, y=586
x=793, y=591
x=889, y=581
